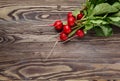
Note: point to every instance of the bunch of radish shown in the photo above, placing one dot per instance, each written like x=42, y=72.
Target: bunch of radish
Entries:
x=98, y=15
x=66, y=29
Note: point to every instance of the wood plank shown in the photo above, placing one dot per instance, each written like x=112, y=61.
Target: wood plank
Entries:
x=41, y=2
x=26, y=40
x=25, y=59
x=23, y=49
x=36, y=13
x=34, y=10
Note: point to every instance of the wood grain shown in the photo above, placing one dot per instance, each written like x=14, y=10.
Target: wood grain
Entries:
x=34, y=10
x=26, y=40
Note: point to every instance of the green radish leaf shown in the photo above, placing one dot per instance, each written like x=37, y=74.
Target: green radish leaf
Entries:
x=90, y=7
x=76, y=12
x=104, y=8
x=100, y=1
x=88, y=26
x=116, y=5
x=103, y=30
x=90, y=10
x=98, y=22
x=98, y=31
x=107, y=30
x=117, y=14
x=72, y=33
x=95, y=2
x=115, y=19
x=88, y=4
x=85, y=13
x=111, y=1
x=115, y=23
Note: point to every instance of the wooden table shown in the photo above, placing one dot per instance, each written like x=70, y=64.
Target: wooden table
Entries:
x=26, y=41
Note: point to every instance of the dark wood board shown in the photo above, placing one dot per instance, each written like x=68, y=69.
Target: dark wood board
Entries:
x=26, y=40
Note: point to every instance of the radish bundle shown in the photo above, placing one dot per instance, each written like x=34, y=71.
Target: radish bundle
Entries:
x=97, y=15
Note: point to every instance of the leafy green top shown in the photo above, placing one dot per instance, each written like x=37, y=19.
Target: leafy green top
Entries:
x=99, y=15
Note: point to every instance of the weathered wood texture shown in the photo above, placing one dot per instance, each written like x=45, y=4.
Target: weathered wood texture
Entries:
x=26, y=40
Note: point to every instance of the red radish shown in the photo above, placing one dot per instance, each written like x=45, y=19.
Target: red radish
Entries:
x=63, y=36
x=80, y=33
x=71, y=21
x=58, y=25
x=66, y=29
x=69, y=14
x=79, y=16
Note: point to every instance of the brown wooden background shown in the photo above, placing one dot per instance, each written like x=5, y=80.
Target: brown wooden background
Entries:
x=26, y=40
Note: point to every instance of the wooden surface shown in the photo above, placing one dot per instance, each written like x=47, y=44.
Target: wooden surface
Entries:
x=26, y=40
